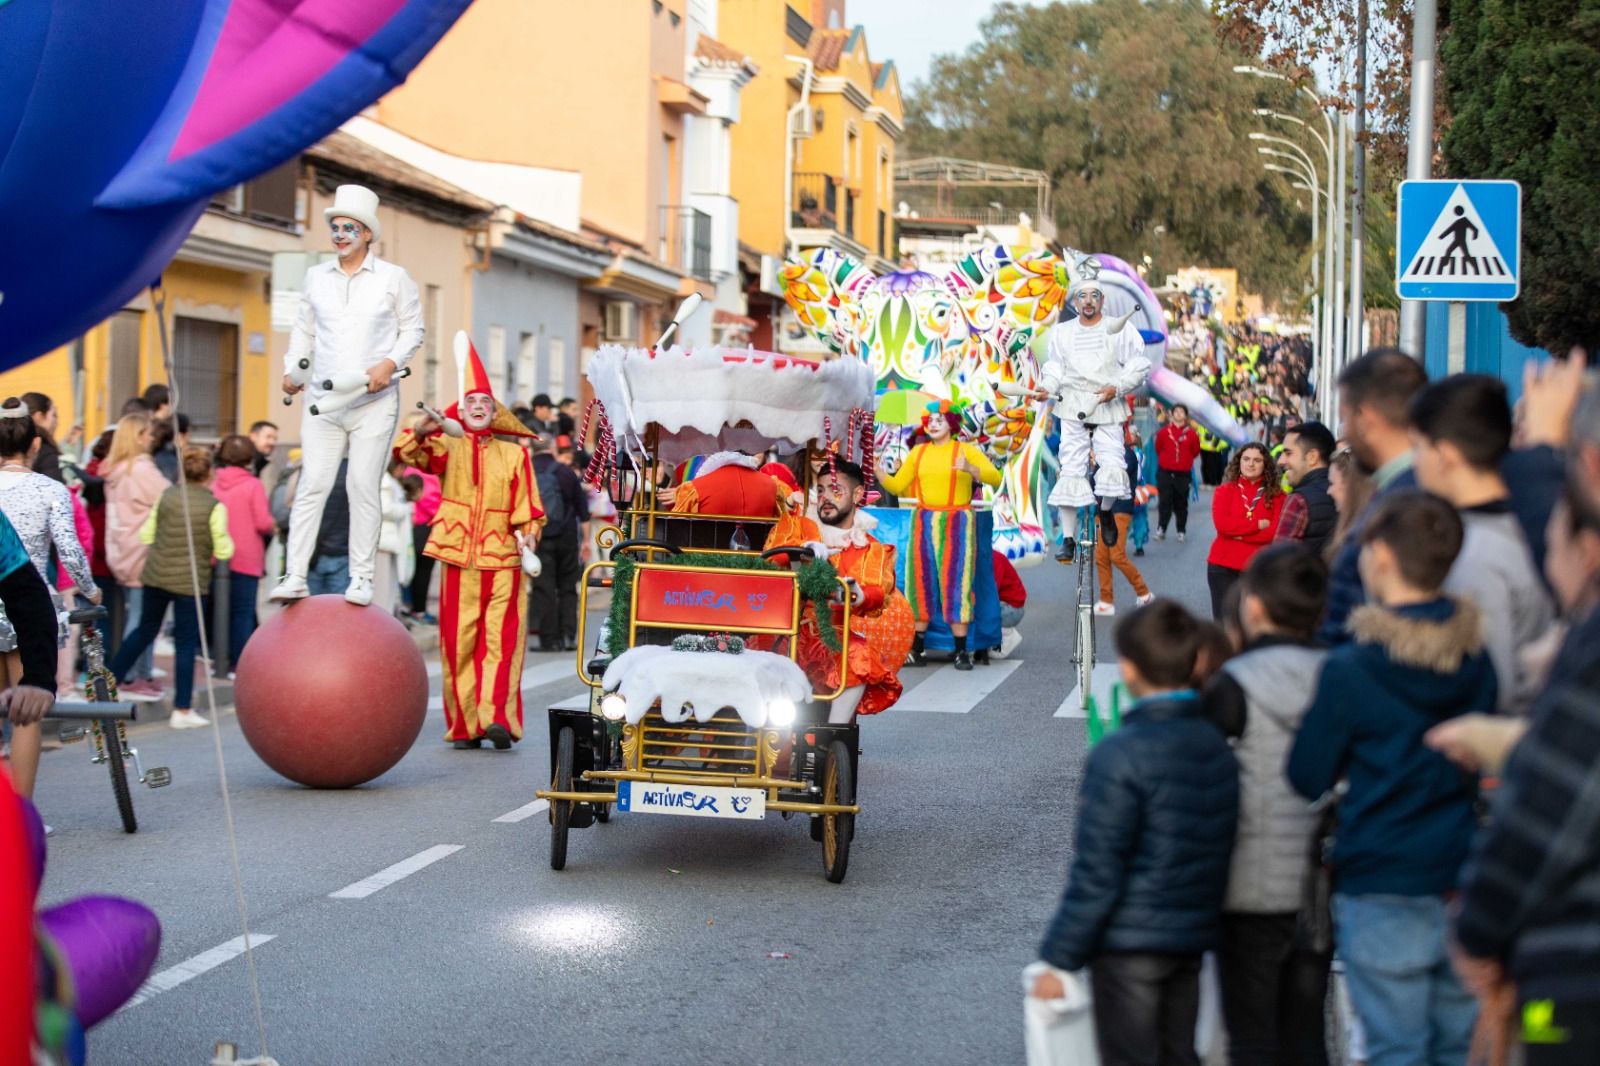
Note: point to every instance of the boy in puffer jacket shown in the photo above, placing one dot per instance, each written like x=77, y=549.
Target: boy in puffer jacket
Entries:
x=1274, y=985
x=1408, y=817
x=1156, y=816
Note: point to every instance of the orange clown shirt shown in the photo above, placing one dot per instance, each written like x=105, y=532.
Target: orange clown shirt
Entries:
x=732, y=489
x=881, y=626
x=489, y=495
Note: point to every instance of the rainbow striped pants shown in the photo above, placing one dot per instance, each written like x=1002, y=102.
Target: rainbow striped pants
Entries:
x=944, y=557
x=483, y=632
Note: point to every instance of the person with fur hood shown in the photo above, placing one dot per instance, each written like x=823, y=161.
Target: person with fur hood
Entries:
x=1408, y=816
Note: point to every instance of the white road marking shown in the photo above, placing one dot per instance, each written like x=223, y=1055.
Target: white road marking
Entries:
x=524, y=812
x=188, y=969
x=386, y=877
x=1101, y=682
x=951, y=691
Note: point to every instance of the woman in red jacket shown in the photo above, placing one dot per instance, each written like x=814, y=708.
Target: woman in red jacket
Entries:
x=1245, y=509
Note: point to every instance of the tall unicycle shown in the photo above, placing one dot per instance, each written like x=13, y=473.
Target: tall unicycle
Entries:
x=1083, y=653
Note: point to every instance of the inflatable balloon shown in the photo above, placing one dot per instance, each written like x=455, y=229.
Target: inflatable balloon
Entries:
x=109, y=945
x=119, y=121
x=330, y=694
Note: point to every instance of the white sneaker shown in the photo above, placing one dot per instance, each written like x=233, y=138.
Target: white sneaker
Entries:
x=187, y=720
x=290, y=588
x=1104, y=609
x=359, y=592
x=1148, y=597
x=1009, y=639
x=156, y=673
x=1181, y=538
x=1159, y=534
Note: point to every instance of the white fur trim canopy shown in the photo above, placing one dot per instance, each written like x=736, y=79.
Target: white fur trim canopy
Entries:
x=726, y=399
x=698, y=684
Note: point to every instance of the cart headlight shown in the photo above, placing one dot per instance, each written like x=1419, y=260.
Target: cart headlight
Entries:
x=780, y=712
x=613, y=706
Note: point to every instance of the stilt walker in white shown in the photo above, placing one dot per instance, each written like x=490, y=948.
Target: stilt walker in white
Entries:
x=359, y=324
x=1092, y=363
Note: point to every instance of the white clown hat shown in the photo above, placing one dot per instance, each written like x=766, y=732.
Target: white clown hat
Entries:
x=357, y=202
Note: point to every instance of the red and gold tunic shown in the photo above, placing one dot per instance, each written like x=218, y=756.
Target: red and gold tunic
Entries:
x=490, y=495
x=881, y=626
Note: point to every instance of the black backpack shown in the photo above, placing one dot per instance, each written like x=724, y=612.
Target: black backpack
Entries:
x=553, y=500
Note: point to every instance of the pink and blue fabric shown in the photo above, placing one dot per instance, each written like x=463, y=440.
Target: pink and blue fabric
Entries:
x=119, y=122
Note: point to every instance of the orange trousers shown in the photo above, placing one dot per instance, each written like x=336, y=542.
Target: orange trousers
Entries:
x=1105, y=558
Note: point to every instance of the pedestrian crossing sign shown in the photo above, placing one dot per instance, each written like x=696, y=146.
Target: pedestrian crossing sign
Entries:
x=1459, y=240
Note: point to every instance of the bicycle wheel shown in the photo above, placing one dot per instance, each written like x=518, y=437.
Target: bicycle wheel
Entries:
x=119, y=774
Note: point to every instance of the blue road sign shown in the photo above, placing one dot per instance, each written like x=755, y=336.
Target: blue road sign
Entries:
x=1459, y=240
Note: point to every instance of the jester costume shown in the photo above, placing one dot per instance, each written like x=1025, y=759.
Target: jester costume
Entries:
x=490, y=496
x=944, y=531
x=881, y=627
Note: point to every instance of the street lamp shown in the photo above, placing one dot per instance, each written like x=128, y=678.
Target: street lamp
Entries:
x=1329, y=335
x=1311, y=176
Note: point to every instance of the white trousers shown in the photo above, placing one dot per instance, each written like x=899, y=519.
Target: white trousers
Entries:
x=367, y=432
x=1072, y=483
x=844, y=708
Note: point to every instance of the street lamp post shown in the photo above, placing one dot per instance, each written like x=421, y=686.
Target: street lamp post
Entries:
x=1331, y=233
x=1419, y=150
x=1311, y=176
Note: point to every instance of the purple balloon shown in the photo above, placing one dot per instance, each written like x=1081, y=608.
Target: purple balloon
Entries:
x=33, y=827
x=110, y=945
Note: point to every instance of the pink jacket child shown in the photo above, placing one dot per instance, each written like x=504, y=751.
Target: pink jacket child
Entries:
x=85, y=528
x=249, y=519
x=132, y=489
x=427, y=504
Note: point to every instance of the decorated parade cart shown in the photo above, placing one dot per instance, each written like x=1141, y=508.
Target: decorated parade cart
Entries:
x=698, y=706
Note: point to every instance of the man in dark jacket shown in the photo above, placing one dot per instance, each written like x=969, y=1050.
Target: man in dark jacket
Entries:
x=1374, y=394
x=1309, y=514
x=554, y=599
x=1156, y=818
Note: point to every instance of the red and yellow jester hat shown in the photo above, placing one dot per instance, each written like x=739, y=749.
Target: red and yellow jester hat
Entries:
x=504, y=423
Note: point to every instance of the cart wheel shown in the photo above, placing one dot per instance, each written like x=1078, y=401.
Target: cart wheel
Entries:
x=119, y=774
x=561, y=810
x=838, y=786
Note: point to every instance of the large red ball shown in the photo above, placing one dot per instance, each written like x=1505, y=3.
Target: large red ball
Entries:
x=330, y=694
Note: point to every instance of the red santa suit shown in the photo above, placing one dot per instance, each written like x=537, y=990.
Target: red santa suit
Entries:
x=729, y=485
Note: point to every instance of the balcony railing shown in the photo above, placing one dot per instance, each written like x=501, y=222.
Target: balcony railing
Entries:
x=816, y=202
x=686, y=239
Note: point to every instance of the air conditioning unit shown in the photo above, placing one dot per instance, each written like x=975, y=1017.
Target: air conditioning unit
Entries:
x=621, y=322
x=772, y=275
x=802, y=122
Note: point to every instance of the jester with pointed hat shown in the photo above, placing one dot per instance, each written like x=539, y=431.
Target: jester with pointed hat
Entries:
x=943, y=472
x=1091, y=366
x=488, y=521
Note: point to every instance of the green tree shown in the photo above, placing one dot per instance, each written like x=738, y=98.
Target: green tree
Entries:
x=1133, y=110
x=1524, y=86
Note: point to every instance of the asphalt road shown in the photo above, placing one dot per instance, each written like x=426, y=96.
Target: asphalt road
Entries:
x=657, y=943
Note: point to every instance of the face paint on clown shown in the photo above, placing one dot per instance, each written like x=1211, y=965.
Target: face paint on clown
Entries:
x=350, y=238
x=477, y=411
x=838, y=496
x=1091, y=302
x=937, y=428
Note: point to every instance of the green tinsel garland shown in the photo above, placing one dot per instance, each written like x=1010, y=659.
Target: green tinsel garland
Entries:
x=818, y=581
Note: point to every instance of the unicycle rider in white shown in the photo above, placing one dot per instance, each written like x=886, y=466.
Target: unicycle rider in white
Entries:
x=359, y=315
x=1092, y=364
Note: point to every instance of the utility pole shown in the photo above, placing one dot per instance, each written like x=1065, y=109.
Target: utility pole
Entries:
x=1340, y=317
x=1358, y=213
x=1419, y=153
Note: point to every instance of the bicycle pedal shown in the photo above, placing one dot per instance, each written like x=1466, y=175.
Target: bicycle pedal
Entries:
x=157, y=777
x=72, y=734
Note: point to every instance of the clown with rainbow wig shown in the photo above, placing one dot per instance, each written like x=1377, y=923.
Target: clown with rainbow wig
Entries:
x=942, y=472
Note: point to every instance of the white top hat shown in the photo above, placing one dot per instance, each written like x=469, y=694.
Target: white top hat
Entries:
x=357, y=202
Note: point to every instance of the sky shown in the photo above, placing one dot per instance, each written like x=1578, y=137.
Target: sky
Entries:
x=912, y=32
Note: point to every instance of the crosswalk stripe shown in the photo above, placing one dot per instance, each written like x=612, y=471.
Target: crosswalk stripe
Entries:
x=390, y=874
x=1101, y=681
x=951, y=691
x=524, y=812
